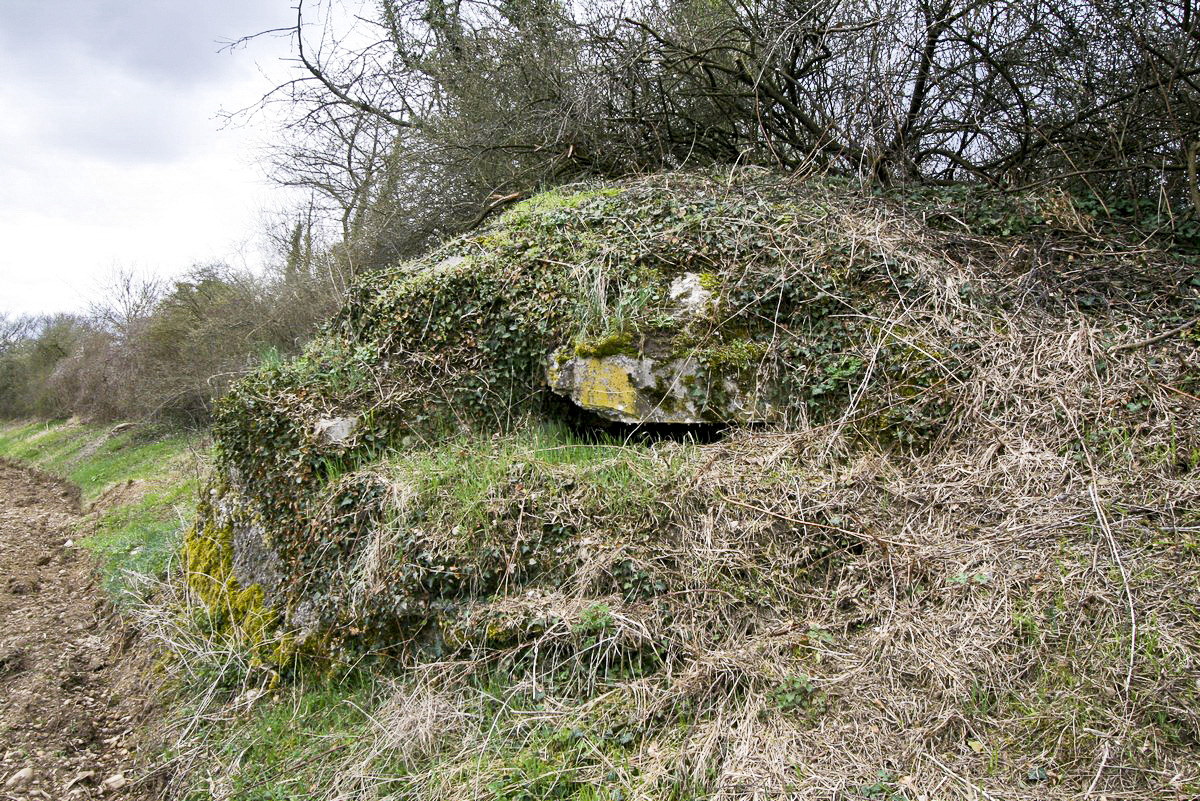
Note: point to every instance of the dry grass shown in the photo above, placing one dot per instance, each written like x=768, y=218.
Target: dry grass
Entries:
x=1009, y=611
x=1012, y=613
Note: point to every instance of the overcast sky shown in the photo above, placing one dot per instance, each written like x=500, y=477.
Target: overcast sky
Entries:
x=112, y=153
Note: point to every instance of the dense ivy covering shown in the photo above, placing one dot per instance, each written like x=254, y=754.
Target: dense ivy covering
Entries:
x=846, y=310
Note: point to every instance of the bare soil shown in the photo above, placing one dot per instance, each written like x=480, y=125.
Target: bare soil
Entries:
x=71, y=688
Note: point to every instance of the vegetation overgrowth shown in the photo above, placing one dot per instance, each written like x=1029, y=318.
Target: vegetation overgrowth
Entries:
x=419, y=118
x=159, y=352
x=961, y=560
x=957, y=554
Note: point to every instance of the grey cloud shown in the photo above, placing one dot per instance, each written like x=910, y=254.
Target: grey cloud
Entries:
x=128, y=81
x=109, y=152
x=172, y=41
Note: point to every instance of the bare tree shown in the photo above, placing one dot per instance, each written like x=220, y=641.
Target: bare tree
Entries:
x=125, y=300
x=430, y=115
x=15, y=330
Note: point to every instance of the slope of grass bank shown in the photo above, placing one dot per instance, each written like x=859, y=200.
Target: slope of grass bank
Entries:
x=138, y=489
x=137, y=486
x=960, y=561
x=673, y=618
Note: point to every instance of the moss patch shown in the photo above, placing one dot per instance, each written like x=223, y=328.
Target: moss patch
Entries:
x=208, y=569
x=614, y=344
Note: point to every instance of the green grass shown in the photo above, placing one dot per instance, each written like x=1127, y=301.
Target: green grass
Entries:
x=140, y=533
x=143, y=537
x=457, y=479
x=86, y=456
x=293, y=740
x=283, y=748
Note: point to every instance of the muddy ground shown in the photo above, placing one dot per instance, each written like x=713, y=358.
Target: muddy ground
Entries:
x=71, y=688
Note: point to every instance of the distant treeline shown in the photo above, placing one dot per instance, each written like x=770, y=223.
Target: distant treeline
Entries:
x=159, y=351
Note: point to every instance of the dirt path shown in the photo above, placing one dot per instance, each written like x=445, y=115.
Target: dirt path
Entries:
x=68, y=707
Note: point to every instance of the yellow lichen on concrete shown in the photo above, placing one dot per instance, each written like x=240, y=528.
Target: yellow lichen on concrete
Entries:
x=208, y=568
x=604, y=384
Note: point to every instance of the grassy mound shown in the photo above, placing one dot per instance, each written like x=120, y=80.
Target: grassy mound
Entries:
x=963, y=561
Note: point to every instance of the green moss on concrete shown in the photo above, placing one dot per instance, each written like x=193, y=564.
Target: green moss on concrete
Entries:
x=739, y=354
x=618, y=343
x=461, y=340
x=208, y=570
